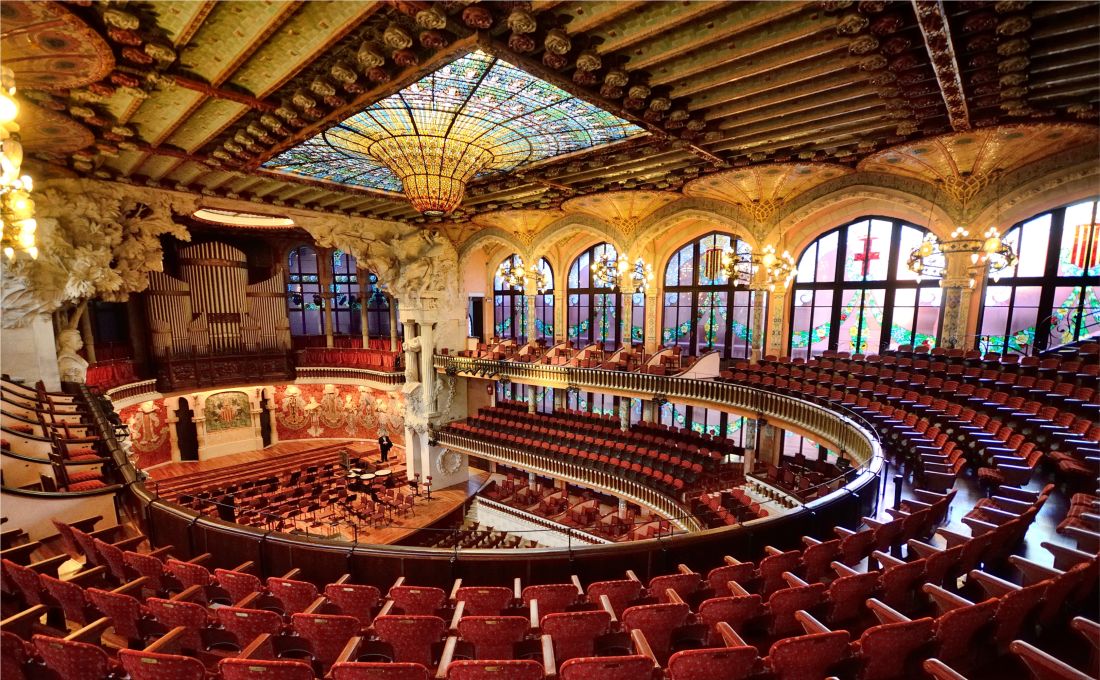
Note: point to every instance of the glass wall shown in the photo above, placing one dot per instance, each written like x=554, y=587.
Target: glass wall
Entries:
x=1050, y=298
x=346, y=319
x=303, y=295
x=854, y=291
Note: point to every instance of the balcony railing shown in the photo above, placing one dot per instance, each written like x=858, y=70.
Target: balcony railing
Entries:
x=577, y=474
x=825, y=425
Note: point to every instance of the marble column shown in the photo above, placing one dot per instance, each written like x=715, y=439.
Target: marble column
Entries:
x=626, y=320
x=776, y=315
x=328, y=298
x=532, y=402
x=561, y=318
x=956, y=301
x=411, y=367
x=624, y=413
x=760, y=300
x=412, y=454
x=649, y=411
x=531, y=329
x=751, y=426
x=363, y=322
x=559, y=399
x=652, y=332
x=427, y=371
x=87, y=336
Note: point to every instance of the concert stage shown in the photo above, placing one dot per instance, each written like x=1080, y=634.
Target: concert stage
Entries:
x=175, y=479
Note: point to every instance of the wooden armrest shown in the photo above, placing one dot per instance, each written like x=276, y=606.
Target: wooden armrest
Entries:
x=20, y=553
x=938, y=670
x=1064, y=557
x=49, y=565
x=168, y=643
x=1009, y=503
x=260, y=648
x=534, y=613
x=772, y=551
x=920, y=505
x=885, y=613
x=199, y=559
x=1017, y=494
x=454, y=589
x=1043, y=665
x=186, y=594
x=841, y=532
x=793, y=580
x=1033, y=572
x=457, y=615
x=632, y=576
x=1089, y=629
x=842, y=569
x=979, y=527
x=448, y=655
x=87, y=578
x=517, y=588
x=87, y=525
x=90, y=633
x=292, y=574
x=549, y=663
x=808, y=541
x=886, y=560
x=953, y=538
x=921, y=548
x=872, y=522
x=247, y=600
x=577, y=584
x=731, y=561
x=606, y=604
x=399, y=582
x=244, y=566
x=22, y=622
x=129, y=543
x=673, y=596
x=133, y=586
x=685, y=569
x=993, y=586
x=729, y=636
x=350, y=651
x=386, y=608
x=944, y=600
x=810, y=624
x=315, y=605
x=737, y=589
x=346, y=578
x=641, y=646
x=162, y=552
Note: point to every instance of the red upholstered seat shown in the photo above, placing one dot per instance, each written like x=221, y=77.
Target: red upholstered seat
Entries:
x=807, y=657
x=495, y=670
x=295, y=596
x=574, y=633
x=188, y=615
x=379, y=671
x=727, y=663
x=484, y=600
x=884, y=650
x=73, y=660
x=354, y=600
x=417, y=601
x=14, y=655
x=620, y=593
x=493, y=637
x=552, y=598
x=143, y=665
x=327, y=634
x=239, y=584
x=411, y=636
x=252, y=669
x=247, y=624
x=657, y=621
x=124, y=611
x=607, y=668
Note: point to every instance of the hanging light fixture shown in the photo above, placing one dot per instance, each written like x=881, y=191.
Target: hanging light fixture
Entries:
x=929, y=259
x=615, y=272
x=515, y=275
x=17, y=223
x=741, y=267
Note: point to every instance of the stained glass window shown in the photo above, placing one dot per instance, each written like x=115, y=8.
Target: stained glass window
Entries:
x=512, y=117
x=304, y=299
x=544, y=305
x=854, y=292
x=593, y=307
x=1052, y=296
x=378, y=309
x=509, y=307
x=703, y=310
x=346, y=301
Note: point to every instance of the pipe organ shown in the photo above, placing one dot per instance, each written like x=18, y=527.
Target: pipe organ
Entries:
x=212, y=309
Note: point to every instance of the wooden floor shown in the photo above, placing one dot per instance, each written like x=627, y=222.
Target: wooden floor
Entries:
x=425, y=512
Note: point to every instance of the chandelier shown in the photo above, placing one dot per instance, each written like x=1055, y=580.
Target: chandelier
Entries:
x=515, y=275
x=778, y=270
x=615, y=272
x=17, y=223
x=929, y=259
x=475, y=116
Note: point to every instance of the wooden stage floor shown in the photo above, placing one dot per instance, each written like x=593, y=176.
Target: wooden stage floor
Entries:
x=400, y=527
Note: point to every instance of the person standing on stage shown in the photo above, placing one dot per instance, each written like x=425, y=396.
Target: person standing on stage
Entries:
x=384, y=445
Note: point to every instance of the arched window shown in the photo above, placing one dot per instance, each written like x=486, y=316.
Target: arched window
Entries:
x=304, y=299
x=509, y=306
x=594, y=308
x=1050, y=298
x=346, y=319
x=544, y=305
x=378, y=309
x=704, y=310
x=854, y=291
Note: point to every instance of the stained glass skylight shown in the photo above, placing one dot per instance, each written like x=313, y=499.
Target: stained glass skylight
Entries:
x=476, y=116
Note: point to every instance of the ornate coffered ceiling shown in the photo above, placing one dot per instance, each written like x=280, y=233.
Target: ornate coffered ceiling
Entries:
x=197, y=95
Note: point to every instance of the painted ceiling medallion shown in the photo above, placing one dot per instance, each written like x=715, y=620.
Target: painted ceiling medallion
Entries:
x=49, y=48
x=965, y=162
x=476, y=116
x=525, y=224
x=760, y=190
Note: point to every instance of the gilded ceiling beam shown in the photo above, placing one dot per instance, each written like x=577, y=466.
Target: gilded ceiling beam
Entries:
x=932, y=17
x=222, y=93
